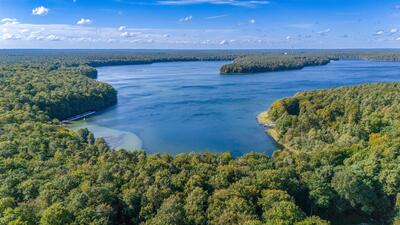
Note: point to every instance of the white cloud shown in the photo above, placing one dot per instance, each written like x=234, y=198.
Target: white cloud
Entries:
x=223, y=42
x=243, y=3
x=8, y=36
x=252, y=21
x=32, y=36
x=186, y=19
x=40, y=11
x=24, y=31
x=324, y=32
x=53, y=37
x=394, y=30
x=398, y=39
x=73, y=36
x=216, y=17
x=122, y=28
x=288, y=38
x=84, y=21
x=9, y=21
x=21, y=35
x=130, y=34
x=206, y=42
x=379, y=32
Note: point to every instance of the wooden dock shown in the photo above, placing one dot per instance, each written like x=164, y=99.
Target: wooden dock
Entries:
x=78, y=117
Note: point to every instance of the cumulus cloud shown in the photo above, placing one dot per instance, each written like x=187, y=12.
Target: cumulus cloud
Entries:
x=243, y=3
x=84, y=22
x=9, y=21
x=8, y=36
x=40, y=11
x=186, y=19
x=122, y=28
x=252, y=21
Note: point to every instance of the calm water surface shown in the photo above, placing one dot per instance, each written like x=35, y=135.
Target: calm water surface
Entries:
x=187, y=106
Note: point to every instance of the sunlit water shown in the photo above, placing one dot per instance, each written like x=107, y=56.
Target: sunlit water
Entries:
x=187, y=106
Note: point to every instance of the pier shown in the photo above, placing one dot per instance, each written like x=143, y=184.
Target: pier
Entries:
x=78, y=117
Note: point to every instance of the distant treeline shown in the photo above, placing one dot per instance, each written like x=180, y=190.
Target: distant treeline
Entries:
x=244, y=61
x=297, y=60
x=97, y=58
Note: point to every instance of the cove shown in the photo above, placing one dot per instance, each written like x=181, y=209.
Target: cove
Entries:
x=181, y=107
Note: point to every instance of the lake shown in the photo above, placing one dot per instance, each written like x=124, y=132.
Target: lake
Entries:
x=188, y=107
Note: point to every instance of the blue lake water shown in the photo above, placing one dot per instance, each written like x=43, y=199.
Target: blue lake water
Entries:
x=187, y=106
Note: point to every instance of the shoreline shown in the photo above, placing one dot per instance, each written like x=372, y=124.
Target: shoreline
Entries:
x=268, y=126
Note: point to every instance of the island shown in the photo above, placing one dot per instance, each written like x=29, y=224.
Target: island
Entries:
x=271, y=63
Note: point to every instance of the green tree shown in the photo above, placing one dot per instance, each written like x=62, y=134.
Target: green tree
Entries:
x=56, y=214
x=171, y=212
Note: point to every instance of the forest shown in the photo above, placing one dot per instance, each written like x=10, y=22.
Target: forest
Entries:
x=270, y=63
x=294, y=60
x=353, y=133
x=341, y=164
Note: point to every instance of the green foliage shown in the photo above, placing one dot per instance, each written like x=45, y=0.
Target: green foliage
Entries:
x=283, y=213
x=195, y=206
x=56, y=215
x=344, y=144
x=343, y=159
x=273, y=62
x=313, y=220
x=270, y=197
x=170, y=212
x=61, y=92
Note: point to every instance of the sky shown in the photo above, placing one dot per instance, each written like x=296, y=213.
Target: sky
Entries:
x=200, y=24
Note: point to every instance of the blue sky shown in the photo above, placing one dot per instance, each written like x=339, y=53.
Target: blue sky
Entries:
x=204, y=24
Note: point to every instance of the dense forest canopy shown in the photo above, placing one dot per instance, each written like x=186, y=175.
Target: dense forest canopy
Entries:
x=269, y=63
x=341, y=164
x=353, y=133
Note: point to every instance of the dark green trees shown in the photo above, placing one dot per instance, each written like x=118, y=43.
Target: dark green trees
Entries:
x=272, y=62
